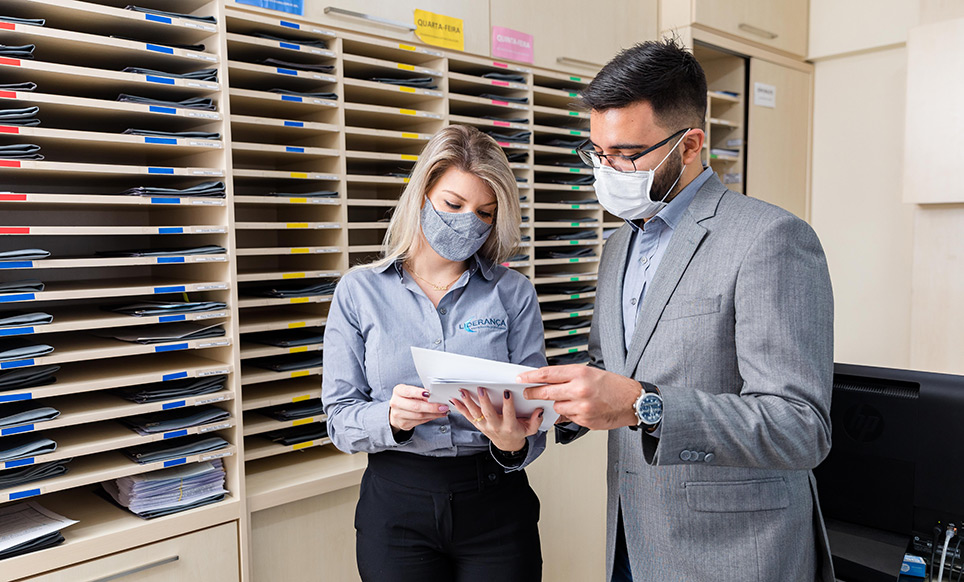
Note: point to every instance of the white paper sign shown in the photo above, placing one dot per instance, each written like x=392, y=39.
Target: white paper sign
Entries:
x=764, y=95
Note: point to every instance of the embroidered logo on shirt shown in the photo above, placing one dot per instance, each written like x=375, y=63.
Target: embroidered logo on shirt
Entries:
x=474, y=325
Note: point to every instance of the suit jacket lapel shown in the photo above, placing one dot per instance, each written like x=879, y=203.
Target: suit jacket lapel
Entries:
x=609, y=300
x=686, y=239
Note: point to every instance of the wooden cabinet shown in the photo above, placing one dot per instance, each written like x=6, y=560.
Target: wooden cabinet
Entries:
x=583, y=36
x=778, y=137
x=777, y=24
x=210, y=555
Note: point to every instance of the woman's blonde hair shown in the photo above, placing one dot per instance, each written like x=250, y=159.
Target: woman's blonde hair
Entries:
x=467, y=149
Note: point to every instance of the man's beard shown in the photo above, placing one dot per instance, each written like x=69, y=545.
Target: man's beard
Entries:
x=666, y=178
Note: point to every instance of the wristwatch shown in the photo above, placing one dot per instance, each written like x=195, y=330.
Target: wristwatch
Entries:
x=648, y=407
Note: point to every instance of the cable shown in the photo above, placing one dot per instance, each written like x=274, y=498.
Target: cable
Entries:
x=957, y=549
x=950, y=533
x=936, y=540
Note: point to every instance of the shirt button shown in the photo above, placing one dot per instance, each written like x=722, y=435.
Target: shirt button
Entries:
x=438, y=341
x=632, y=301
x=443, y=311
x=443, y=429
x=643, y=261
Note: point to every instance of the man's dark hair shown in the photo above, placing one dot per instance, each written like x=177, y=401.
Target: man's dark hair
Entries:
x=662, y=73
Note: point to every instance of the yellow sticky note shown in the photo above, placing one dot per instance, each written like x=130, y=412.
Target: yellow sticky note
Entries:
x=440, y=30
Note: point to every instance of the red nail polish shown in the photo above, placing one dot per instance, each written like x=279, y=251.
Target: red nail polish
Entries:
x=426, y=393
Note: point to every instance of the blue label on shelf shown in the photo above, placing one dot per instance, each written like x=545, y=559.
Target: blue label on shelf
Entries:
x=286, y=71
x=175, y=433
x=19, y=463
x=16, y=429
x=16, y=397
x=171, y=405
x=160, y=49
x=17, y=297
x=294, y=123
x=170, y=259
x=171, y=230
x=160, y=170
x=16, y=331
x=167, y=318
x=161, y=80
x=157, y=18
x=159, y=109
x=171, y=289
x=23, y=494
x=165, y=200
x=170, y=348
x=294, y=98
x=16, y=264
x=294, y=25
x=174, y=376
x=294, y=149
x=161, y=140
x=175, y=462
x=290, y=45
x=17, y=364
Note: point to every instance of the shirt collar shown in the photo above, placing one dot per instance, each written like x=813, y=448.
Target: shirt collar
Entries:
x=476, y=263
x=672, y=212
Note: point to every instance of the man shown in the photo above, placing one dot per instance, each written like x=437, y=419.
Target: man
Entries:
x=711, y=347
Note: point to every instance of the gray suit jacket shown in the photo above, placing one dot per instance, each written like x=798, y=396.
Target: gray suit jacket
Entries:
x=736, y=329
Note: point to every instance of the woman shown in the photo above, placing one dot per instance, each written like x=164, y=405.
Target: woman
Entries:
x=444, y=496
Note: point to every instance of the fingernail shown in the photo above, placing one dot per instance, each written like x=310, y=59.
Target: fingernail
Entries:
x=482, y=391
x=540, y=414
x=450, y=402
x=443, y=408
x=506, y=395
x=426, y=394
x=462, y=391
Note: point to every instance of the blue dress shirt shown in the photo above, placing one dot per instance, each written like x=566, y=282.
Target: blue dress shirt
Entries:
x=377, y=314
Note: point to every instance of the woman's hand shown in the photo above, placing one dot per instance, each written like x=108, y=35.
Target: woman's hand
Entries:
x=507, y=432
x=409, y=407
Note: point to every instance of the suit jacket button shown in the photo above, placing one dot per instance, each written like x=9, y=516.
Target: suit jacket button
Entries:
x=685, y=455
x=708, y=458
x=698, y=456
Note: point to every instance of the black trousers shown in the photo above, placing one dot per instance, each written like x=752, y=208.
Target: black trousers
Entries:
x=457, y=519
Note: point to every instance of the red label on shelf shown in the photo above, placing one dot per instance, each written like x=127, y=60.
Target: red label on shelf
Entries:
x=15, y=230
x=8, y=26
x=494, y=102
x=503, y=65
x=14, y=62
x=8, y=94
x=501, y=123
x=13, y=196
x=9, y=164
x=9, y=129
x=501, y=83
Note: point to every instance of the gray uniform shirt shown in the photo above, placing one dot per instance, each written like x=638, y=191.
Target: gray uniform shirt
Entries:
x=377, y=314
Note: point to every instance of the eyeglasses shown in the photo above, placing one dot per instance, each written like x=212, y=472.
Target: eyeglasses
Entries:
x=619, y=163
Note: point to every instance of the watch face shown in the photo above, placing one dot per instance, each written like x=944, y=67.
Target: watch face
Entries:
x=650, y=409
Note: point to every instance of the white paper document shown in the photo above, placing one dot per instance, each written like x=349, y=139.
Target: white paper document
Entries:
x=22, y=522
x=444, y=374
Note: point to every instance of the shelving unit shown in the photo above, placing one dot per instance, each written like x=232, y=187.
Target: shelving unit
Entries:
x=725, y=147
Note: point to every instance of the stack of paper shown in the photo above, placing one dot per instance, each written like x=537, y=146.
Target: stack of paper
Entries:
x=155, y=334
x=169, y=490
x=28, y=527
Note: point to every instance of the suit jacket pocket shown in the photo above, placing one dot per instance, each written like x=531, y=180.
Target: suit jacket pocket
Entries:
x=731, y=496
x=692, y=308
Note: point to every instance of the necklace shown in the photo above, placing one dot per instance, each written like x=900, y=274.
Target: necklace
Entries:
x=435, y=286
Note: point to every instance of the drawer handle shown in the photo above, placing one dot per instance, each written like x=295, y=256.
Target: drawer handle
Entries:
x=578, y=62
x=137, y=569
x=758, y=31
x=378, y=19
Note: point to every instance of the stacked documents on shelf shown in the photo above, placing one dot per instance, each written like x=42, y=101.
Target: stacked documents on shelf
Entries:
x=24, y=318
x=148, y=308
x=175, y=134
x=30, y=21
x=25, y=116
x=30, y=473
x=297, y=66
x=177, y=419
x=517, y=156
x=25, y=86
x=315, y=194
x=567, y=307
x=305, y=289
x=28, y=445
x=414, y=82
x=299, y=434
x=29, y=377
x=288, y=362
x=726, y=152
x=169, y=490
x=210, y=19
x=199, y=75
x=511, y=77
x=20, y=151
x=294, y=410
x=316, y=94
x=23, y=51
x=302, y=41
x=19, y=349
x=206, y=189
x=566, y=342
x=28, y=527
x=575, y=358
x=168, y=252
x=189, y=103
x=515, y=136
x=175, y=448
x=24, y=255
x=289, y=338
x=567, y=324
x=25, y=412
x=155, y=334
x=157, y=391
x=495, y=97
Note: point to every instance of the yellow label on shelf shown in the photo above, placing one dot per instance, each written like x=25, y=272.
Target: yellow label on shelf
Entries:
x=405, y=67
x=408, y=135
x=302, y=421
x=407, y=89
x=297, y=324
x=405, y=180
x=299, y=300
x=303, y=445
x=440, y=30
x=410, y=157
x=297, y=200
x=297, y=349
x=293, y=276
x=299, y=373
x=299, y=175
x=301, y=398
x=299, y=251
x=406, y=47
x=407, y=111
x=297, y=225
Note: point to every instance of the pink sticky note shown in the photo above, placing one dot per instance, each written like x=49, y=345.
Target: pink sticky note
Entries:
x=511, y=44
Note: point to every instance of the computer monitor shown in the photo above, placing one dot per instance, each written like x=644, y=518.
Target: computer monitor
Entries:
x=897, y=460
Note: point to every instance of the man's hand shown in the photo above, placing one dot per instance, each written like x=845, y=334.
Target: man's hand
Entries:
x=590, y=397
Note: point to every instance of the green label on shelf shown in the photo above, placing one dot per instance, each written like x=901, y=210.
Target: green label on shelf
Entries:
x=571, y=94
x=574, y=314
x=576, y=113
x=573, y=350
x=573, y=242
x=575, y=296
x=575, y=207
x=575, y=170
x=576, y=79
x=575, y=187
x=575, y=132
x=573, y=278
x=573, y=260
x=573, y=224
x=574, y=332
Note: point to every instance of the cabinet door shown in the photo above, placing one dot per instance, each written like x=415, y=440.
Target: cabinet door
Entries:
x=576, y=31
x=781, y=24
x=210, y=555
x=778, y=137
x=474, y=15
